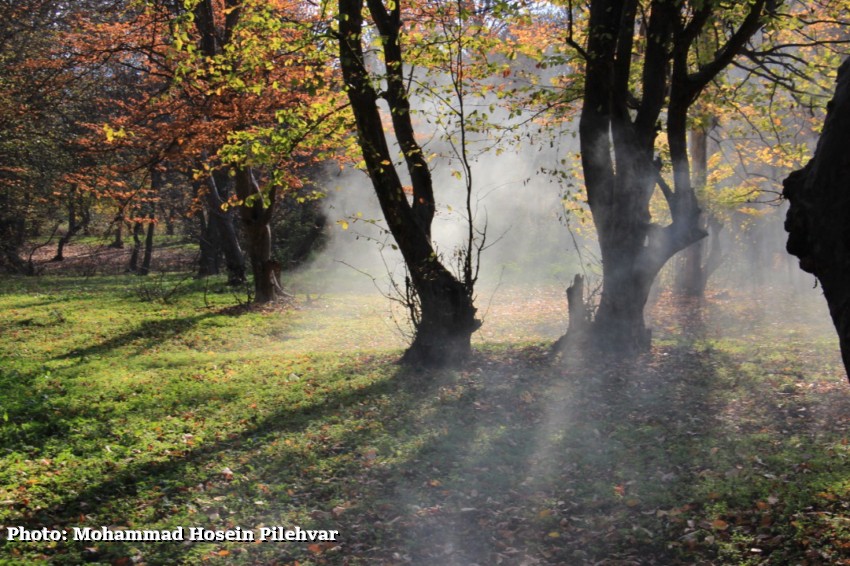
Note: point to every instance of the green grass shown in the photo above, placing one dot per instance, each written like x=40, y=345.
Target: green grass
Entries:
x=727, y=444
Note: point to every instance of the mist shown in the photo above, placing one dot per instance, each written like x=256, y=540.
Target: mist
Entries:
x=560, y=441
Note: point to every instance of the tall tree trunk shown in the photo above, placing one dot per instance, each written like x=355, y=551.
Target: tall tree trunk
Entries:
x=133, y=266
x=148, y=255
x=12, y=237
x=118, y=242
x=256, y=222
x=442, y=306
x=168, y=215
x=220, y=236
x=210, y=247
x=156, y=191
x=73, y=226
x=701, y=259
x=819, y=196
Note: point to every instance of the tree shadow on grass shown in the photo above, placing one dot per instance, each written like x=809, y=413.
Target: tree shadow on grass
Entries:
x=669, y=459
x=550, y=465
x=145, y=336
x=476, y=466
x=198, y=473
x=506, y=460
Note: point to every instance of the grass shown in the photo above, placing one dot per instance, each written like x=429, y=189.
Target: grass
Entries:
x=726, y=444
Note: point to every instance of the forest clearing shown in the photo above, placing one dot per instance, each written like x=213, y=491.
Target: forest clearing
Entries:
x=428, y=282
x=727, y=443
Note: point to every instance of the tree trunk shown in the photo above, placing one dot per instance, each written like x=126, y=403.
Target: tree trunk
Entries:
x=442, y=306
x=148, y=255
x=819, y=197
x=447, y=321
x=168, y=215
x=12, y=237
x=210, y=248
x=220, y=235
x=133, y=266
x=619, y=325
x=617, y=133
x=73, y=226
x=256, y=222
x=700, y=260
x=157, y=181
x=118, y=242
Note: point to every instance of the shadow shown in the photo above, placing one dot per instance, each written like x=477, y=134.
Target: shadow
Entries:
x=101, y=502
x=647, y=462
x=145, y=336
x=509, y=448
x=506, y=460
x=554, y=465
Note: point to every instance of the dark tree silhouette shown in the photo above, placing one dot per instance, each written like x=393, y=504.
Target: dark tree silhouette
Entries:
x=817, y=220
x=446, y=317
x=620, y=120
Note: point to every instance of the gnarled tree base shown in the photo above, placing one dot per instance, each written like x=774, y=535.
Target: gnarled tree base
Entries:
x=447, y=321
x=618, y=329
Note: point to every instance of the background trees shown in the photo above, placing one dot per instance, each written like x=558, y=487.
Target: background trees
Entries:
x=646, y=65
x=142, y=112
x=235, y=97
x=45, y=98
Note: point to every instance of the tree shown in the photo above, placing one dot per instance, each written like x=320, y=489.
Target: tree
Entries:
x=443, y=312
x=642, y=75
x=819, y=195
x=230, y=90
x=759, y=117
x=43, y=99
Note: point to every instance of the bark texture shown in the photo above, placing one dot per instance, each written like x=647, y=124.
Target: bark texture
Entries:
x=817, y=220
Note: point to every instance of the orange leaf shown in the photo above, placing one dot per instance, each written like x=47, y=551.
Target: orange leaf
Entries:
x=719, y=524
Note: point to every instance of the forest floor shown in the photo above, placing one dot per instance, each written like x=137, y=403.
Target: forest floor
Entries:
x=159, y=403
